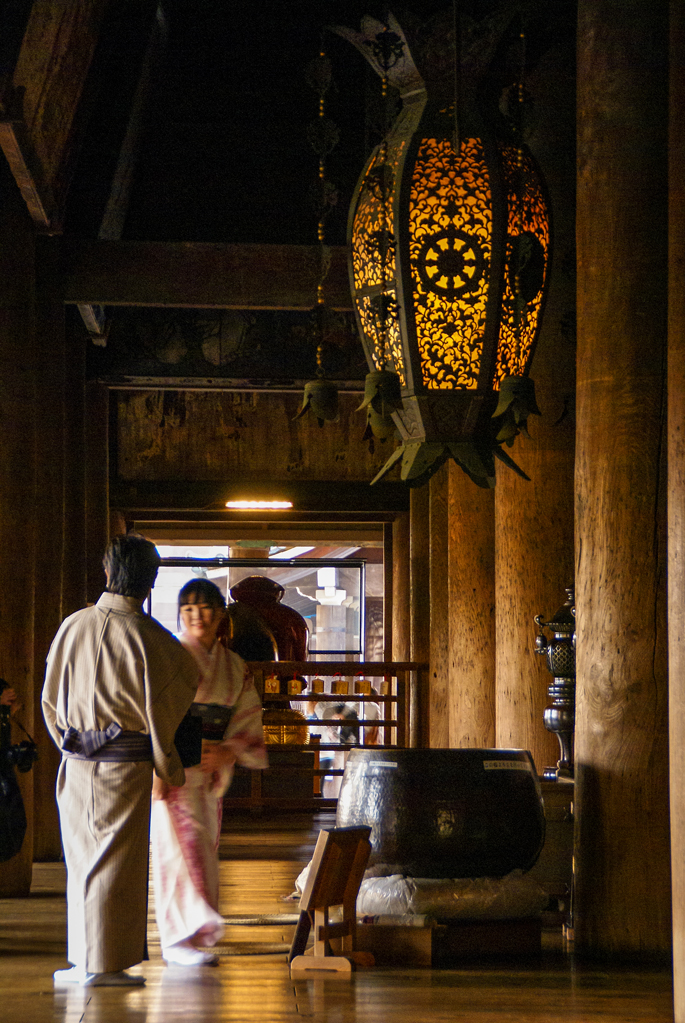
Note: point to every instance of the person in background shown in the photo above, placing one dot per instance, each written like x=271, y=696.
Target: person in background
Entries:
x=340, y=726
x=116, y=688
x=8, y=697
x=186, y=821
x=349, y=729
x=366, y=710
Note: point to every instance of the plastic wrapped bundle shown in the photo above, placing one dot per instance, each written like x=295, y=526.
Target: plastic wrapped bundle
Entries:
x=463, y=898
x=471, y=898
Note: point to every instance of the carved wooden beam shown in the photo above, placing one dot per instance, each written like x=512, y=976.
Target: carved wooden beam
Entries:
x=20, y=155
x=202, y=275
x=40, y=101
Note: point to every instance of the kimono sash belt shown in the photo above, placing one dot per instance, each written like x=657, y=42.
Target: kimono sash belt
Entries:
x=215, y=719
x=110, y=744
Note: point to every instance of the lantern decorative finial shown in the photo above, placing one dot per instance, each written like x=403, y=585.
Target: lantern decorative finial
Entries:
x=449, y=236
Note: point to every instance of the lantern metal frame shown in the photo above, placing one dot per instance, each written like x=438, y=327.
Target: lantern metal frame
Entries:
x=388, y=281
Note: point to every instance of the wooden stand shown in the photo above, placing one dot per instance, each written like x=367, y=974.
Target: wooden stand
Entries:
x=335, y=874
x=449, y=943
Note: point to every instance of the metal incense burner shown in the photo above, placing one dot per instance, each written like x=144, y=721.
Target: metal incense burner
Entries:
x=560, y=652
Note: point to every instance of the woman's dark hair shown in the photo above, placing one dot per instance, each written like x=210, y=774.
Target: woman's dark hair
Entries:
x=204, y=591
x=131, y=563
x=201, y=589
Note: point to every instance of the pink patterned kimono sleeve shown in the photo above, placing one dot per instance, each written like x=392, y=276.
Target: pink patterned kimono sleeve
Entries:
x=244, y=734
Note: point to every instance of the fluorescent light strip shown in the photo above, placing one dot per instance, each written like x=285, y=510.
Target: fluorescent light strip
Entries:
x=245, y=505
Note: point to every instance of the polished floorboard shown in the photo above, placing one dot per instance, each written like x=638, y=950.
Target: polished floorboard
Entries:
x=260, y=859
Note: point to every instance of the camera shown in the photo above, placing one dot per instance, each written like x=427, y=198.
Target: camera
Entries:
x=21, y=755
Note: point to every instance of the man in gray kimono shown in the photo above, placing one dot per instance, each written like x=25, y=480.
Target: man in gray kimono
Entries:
x=116, y=688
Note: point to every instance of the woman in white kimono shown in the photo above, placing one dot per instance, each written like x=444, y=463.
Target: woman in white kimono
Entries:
x=186, y=821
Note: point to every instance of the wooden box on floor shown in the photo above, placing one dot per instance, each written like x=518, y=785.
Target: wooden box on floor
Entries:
x=288, y=777
x=448, y=943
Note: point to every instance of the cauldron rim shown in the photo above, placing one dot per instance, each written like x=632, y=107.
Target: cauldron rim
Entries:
x=466, y=751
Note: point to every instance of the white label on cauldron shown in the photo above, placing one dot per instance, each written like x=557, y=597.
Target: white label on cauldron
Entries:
x=505, y=765
x=382, y=763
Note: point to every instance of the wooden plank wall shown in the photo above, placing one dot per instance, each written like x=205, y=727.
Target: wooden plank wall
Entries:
x=43, y=513
x=17, y=485
x=213, y=435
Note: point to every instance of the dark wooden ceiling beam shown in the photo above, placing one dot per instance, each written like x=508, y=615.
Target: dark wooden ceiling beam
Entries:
x=20, y=155
x=39, y=104
x=205, y=500
x=117, y=382
x=114, y=217
x=202, y=275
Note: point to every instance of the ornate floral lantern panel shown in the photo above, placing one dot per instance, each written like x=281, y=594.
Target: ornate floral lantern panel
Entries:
x=449, y=235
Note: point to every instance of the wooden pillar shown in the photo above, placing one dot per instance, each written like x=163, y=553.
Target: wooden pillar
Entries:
x=401, y=616
x=419, y=606
x=50, y=531
x=471, y=596
x=534, y=564
x=440, y=611
x=17, y=485
x=388, y=593
x=534, y=520
x=622, y=894
x=676, y=496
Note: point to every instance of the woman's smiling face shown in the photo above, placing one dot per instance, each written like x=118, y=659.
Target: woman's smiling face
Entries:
x=200, y=619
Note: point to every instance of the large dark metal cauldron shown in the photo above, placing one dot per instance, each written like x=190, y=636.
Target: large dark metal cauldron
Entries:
x=445, y=812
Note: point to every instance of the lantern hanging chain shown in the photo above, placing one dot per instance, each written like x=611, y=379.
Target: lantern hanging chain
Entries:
x=383, y=156
x=320, y=300
x=456, y=31
x=323, y=136
x=519, y=303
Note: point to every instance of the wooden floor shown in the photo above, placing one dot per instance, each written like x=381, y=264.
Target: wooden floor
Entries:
x=260, y=860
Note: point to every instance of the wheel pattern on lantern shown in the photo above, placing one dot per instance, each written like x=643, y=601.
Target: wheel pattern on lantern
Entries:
x=451, y=263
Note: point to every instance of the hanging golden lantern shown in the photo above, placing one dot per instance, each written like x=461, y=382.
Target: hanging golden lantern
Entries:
x=449, y=235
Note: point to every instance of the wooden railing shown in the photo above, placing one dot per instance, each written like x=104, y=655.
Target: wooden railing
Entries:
x=294, y=767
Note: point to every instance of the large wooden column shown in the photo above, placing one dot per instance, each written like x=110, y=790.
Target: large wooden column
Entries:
x=534, y=564
x=440, y=610
x=622, y=902
x=419, y=605
x=534, y=520
x=51, y=531
x=401, y=610
x=676, y=496
x=17, y=485
x=471, y=597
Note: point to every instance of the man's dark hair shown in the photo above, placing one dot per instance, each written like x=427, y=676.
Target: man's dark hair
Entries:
x=131, y=563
